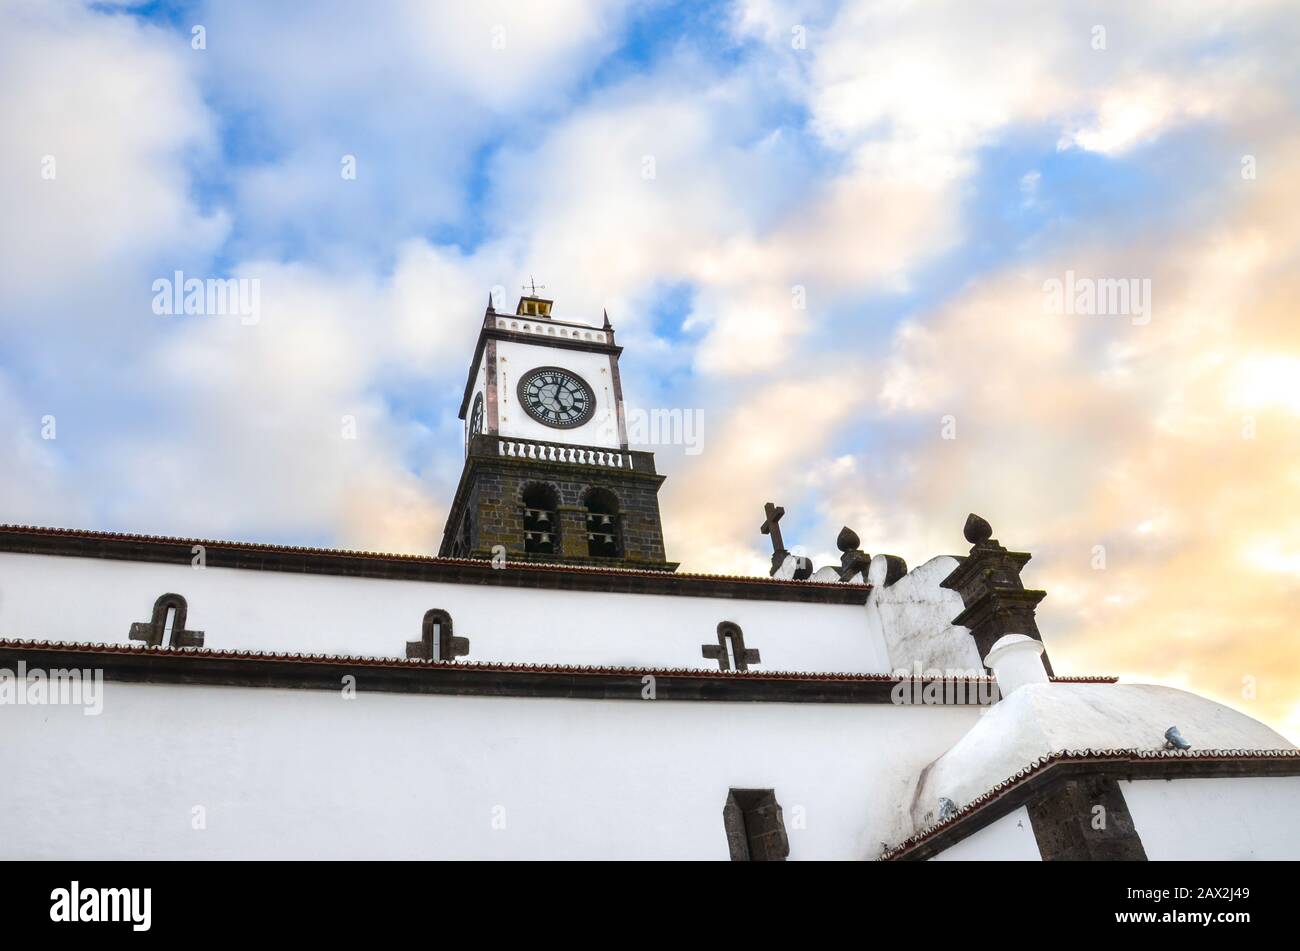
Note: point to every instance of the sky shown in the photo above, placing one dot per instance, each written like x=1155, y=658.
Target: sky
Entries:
x=835, y=232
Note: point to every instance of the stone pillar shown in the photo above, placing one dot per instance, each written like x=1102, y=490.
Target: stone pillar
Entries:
x=1085, y=819
x=496, y=520
x=573, y=531
x=988, y=580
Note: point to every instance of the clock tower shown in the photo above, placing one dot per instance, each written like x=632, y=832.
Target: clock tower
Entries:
x=548, y=473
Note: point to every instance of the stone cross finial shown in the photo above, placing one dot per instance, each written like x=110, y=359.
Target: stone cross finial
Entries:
x=796, y=567
x=771, y=526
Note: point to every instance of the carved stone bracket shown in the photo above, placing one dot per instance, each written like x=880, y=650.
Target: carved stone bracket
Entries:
x=436, y=641
x=731, y=636
x=152, y=630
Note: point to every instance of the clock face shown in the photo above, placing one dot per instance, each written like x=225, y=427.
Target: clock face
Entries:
x=475, y=419
x=556, y=397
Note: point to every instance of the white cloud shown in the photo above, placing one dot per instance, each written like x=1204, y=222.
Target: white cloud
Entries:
x=111, y=109
x=36, y=482
x=414, y=92
x=845, y=168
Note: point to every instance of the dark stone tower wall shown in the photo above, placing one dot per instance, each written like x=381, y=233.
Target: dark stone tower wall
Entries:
x=488, y=509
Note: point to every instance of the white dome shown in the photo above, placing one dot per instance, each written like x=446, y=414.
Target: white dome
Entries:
x=1040, y=719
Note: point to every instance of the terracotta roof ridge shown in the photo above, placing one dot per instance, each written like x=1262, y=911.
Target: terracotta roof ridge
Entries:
x=377, y=660
x=508, y=666
x=402, y=556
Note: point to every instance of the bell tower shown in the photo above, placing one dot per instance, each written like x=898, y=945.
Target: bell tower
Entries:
x=548, y=473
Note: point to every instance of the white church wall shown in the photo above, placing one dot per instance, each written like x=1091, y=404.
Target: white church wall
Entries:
x=1009, y=839
x=308, y=774
x=516, y=359
x=914, y=616
x=1244, y=817
x=86, y=599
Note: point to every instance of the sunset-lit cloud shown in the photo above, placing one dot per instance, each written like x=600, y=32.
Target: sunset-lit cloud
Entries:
x=825, y=226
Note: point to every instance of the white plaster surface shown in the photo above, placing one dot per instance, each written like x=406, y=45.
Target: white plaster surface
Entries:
x=1009, y=839
x=307, y=774
x=1039, y=719
x=914, y=618
x=1241, y=817
x=1016, y=660
x=88, y=599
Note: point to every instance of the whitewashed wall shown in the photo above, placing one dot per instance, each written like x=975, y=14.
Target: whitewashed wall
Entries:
x=914, y=616
x=1010, y=839
x=307, y=774
x=1247, y=817
x=89, y=599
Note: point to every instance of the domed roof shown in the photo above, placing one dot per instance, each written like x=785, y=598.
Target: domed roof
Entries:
x=1040, y=719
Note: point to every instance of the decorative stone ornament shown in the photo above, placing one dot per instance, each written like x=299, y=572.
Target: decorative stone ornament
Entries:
x=988, y=580
x=785, y=566
x=151, y=632
x=731, y=647
x=436, y=641
x=977, y=530
x=853, y=561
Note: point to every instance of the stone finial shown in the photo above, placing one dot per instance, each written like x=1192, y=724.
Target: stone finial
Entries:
x=977, y=530
x=852, y=564
x=988, y=580
x=853, y=560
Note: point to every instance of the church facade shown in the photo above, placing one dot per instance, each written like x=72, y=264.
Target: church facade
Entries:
x=549, y=685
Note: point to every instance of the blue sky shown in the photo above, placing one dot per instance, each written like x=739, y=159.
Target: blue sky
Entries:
x=917, y=171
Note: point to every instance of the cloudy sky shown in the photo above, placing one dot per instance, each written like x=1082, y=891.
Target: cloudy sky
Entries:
x=916, y=175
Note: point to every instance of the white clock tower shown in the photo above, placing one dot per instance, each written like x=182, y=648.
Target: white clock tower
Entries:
x=538, y=378
x=548, y=473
